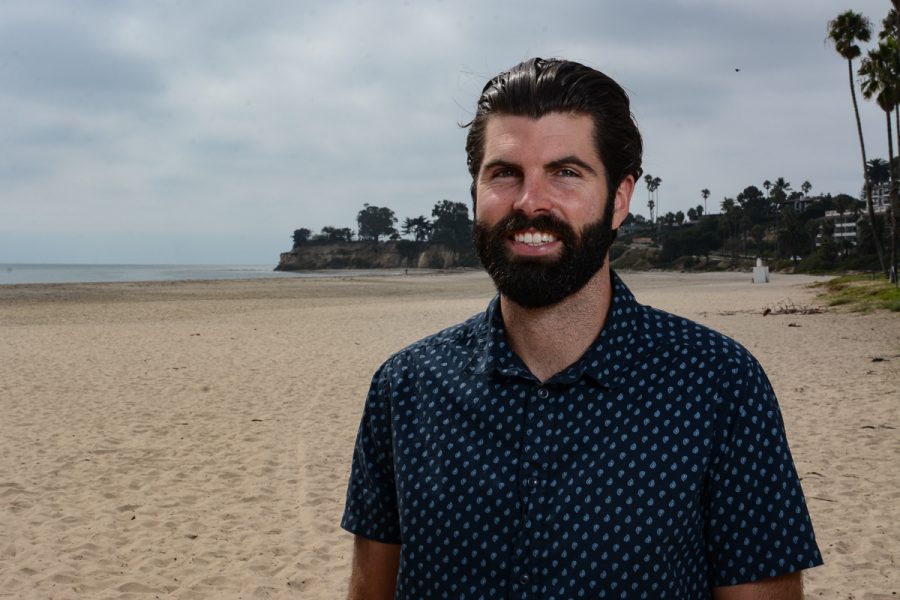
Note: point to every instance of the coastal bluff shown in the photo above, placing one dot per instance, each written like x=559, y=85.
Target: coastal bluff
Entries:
x=368, y=255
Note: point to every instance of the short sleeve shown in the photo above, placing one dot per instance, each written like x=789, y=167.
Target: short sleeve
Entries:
x=758, y=525
x=371, y=507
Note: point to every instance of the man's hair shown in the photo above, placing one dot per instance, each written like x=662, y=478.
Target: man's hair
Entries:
x=540, y=86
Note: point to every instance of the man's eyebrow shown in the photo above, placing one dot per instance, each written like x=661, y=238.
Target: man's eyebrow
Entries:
x=498, y=162
x=571, y=160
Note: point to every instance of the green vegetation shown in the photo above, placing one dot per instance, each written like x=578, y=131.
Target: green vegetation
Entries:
x=861, y=293
x=450, y=227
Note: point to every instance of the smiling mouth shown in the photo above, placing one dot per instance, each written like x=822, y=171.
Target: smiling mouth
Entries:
x=534, y=238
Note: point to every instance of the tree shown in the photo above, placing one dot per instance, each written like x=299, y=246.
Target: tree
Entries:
x=780, y=191
x=845, y=31
x=733, y=216
x=758, y=233
x=692, y=241
x=679, y=217
x=334, y=234
x=656, y=183
x=301, y=236
x=452, y=226
x=648, y=181
x=767, y=184
x=880, y=72
x=791, y=235
x=705, y=193
x=419, y=227
x=753, y=204
x=692, y=214
x=375, y=221
x=806, y=186
x=878, y=170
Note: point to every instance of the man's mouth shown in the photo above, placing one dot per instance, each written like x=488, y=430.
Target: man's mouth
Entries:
x=534, y=238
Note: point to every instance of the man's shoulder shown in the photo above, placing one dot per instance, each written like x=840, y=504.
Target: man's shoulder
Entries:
x=682, y=335
x=452, y=347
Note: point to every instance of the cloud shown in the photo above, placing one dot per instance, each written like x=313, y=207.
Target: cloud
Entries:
x=212, y=119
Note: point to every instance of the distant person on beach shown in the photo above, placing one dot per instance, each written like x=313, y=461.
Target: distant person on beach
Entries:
x=570, y=442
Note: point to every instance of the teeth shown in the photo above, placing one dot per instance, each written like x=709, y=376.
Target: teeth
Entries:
x=535, y=239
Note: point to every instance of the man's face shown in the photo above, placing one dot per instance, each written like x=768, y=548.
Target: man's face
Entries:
x=542, y=224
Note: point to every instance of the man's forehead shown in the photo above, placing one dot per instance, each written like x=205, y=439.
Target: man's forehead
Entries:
x=553, y=133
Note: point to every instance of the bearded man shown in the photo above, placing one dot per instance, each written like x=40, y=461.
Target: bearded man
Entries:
x=570, y=442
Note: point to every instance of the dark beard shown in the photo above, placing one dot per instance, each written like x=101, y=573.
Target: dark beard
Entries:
x=538, y=282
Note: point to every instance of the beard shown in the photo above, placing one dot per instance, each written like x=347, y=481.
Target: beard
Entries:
x=536, y=282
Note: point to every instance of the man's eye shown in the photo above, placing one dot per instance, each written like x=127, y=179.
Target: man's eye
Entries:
x=568, y=173
x=504, y=173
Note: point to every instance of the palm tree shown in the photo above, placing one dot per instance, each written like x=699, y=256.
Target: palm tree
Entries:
x=656, y=183
x=845, y=31
x=767, y=184
x=780, y=191
x=880, y=73
x=806, y=186
x=705, y=193
x=890, y=30
x=648, y=181
x=878, y=170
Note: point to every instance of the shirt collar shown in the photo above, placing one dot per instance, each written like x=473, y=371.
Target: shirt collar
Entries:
x=622, y=340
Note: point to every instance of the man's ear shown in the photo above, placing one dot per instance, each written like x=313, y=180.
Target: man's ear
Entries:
x=622, y=201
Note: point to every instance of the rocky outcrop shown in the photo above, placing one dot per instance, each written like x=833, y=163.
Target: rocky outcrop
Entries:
x=368, y=255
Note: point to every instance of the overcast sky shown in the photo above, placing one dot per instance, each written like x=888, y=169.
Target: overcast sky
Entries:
x=206, y=132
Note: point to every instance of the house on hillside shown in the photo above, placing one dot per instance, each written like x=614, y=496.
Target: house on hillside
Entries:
x=798, y=202
x=881, y=195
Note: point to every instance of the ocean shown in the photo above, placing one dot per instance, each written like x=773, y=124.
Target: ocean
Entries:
x=45, y=273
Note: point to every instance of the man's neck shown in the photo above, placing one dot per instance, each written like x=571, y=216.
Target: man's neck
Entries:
x=550, y=339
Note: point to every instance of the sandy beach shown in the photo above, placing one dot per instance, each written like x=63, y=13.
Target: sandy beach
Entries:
x=193, y=439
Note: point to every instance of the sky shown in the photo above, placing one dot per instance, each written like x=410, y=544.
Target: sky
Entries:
x=206, y=132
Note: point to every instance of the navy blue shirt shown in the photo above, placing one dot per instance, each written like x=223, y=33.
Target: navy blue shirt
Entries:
x=656, y=466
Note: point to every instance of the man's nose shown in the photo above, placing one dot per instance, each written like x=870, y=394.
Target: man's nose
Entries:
x=534, y=196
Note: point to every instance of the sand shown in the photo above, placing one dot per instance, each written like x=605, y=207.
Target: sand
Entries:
x=193, y=439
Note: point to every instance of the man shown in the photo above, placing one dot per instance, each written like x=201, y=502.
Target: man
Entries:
x=570, y=442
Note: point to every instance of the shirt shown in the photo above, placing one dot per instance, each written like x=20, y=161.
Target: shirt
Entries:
x=655, y=466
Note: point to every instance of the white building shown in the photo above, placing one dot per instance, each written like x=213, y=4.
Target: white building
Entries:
x=881, y=196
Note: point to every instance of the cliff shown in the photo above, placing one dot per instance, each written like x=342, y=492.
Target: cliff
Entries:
x=368, y=255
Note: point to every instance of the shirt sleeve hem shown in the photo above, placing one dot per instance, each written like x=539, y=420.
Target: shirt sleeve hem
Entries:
x=754, y=577
x=361, y=532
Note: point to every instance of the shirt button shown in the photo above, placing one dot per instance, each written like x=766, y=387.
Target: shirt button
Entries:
x=524, y=579
x=543, y=393
x=532, y=482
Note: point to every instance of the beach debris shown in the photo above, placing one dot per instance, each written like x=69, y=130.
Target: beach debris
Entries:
x=822, y=499
x=787, y=306
x=879, y=359
x=793, y=325
x=256, y=420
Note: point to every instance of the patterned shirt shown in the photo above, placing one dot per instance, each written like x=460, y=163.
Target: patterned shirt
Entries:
x=655, y=466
